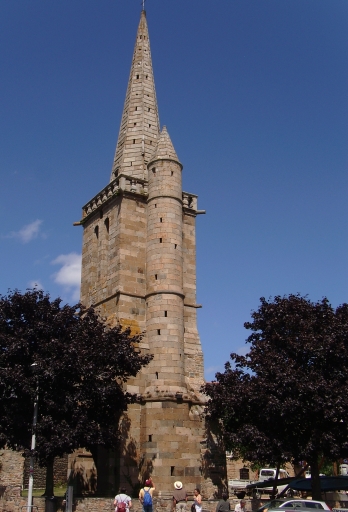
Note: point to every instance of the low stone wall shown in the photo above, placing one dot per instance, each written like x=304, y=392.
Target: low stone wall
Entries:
x=60, y=471
x=12, y=501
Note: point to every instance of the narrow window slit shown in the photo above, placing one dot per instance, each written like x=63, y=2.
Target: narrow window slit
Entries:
x=165, y=313
x=158, y=331
x=160, y=240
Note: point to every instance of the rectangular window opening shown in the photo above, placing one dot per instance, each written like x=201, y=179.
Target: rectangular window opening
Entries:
x=160, y=240
x=158, y=331
x=160, y=219
x=150, y=438
x=165, y=313
x=172, y=468
x=156, y=277
x=133, y=141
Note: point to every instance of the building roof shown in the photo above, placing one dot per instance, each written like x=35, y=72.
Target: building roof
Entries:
x=164, y=149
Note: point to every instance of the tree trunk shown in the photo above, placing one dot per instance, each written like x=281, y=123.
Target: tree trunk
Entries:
x=275, y=482
x=49, y=491
x=315, y=479
x=101, y=461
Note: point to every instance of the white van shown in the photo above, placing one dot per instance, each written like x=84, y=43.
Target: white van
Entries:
x=270, y=474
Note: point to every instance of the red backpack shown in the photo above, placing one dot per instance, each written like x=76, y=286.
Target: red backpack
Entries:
x=121, y=506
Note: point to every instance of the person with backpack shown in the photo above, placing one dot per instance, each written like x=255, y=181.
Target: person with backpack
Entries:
x=122, y=501
x=145, y=495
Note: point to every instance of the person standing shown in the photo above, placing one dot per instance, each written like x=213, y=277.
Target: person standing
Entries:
x=197, y=500
x=240, y=507
x=122, y=501
x=179, y=497
x=224, y=504
x=146, y=494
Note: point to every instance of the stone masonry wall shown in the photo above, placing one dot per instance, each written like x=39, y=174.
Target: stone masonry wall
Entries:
x=11, y=471
x=13, y=502
x=59, y=472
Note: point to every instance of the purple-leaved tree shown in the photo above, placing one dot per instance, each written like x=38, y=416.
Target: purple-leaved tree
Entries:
x=81, y=365
x=287, y=398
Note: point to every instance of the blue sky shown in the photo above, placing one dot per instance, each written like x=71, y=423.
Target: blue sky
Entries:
x=254, y=96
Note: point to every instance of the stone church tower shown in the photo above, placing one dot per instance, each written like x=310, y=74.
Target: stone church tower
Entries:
x=139, y=270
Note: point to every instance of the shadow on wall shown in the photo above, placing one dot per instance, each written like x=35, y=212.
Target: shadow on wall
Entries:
x=214, y=458
x=102, y=472
x=83, y=480
x=135, y=469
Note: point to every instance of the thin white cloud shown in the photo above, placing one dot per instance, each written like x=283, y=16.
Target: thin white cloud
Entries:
x=35, y=284
x=69, y=275
x=243, y=350
x=28, y=232
x=211, y=371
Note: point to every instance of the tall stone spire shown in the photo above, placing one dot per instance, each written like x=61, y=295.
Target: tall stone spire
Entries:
x=140, y=122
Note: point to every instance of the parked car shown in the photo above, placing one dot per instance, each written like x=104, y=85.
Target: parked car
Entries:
x=280, y=504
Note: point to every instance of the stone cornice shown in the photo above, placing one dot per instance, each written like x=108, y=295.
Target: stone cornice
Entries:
x=162, y=292
x=132, y=187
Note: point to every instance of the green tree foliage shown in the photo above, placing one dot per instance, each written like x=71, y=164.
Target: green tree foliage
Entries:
x=287, y=398
x=81, y=366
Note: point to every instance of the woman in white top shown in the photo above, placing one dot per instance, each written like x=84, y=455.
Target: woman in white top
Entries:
x=122, y=502
x=198, y=500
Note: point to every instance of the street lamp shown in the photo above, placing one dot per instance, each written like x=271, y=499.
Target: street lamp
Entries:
x=33, y=442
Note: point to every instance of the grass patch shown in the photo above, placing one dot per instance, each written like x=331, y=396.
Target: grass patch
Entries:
x=37, y=493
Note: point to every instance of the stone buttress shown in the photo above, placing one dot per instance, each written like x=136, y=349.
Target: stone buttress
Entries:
x=139, y=270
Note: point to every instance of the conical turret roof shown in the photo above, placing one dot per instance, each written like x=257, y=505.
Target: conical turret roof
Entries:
x=164, y=149
x=140, y=122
